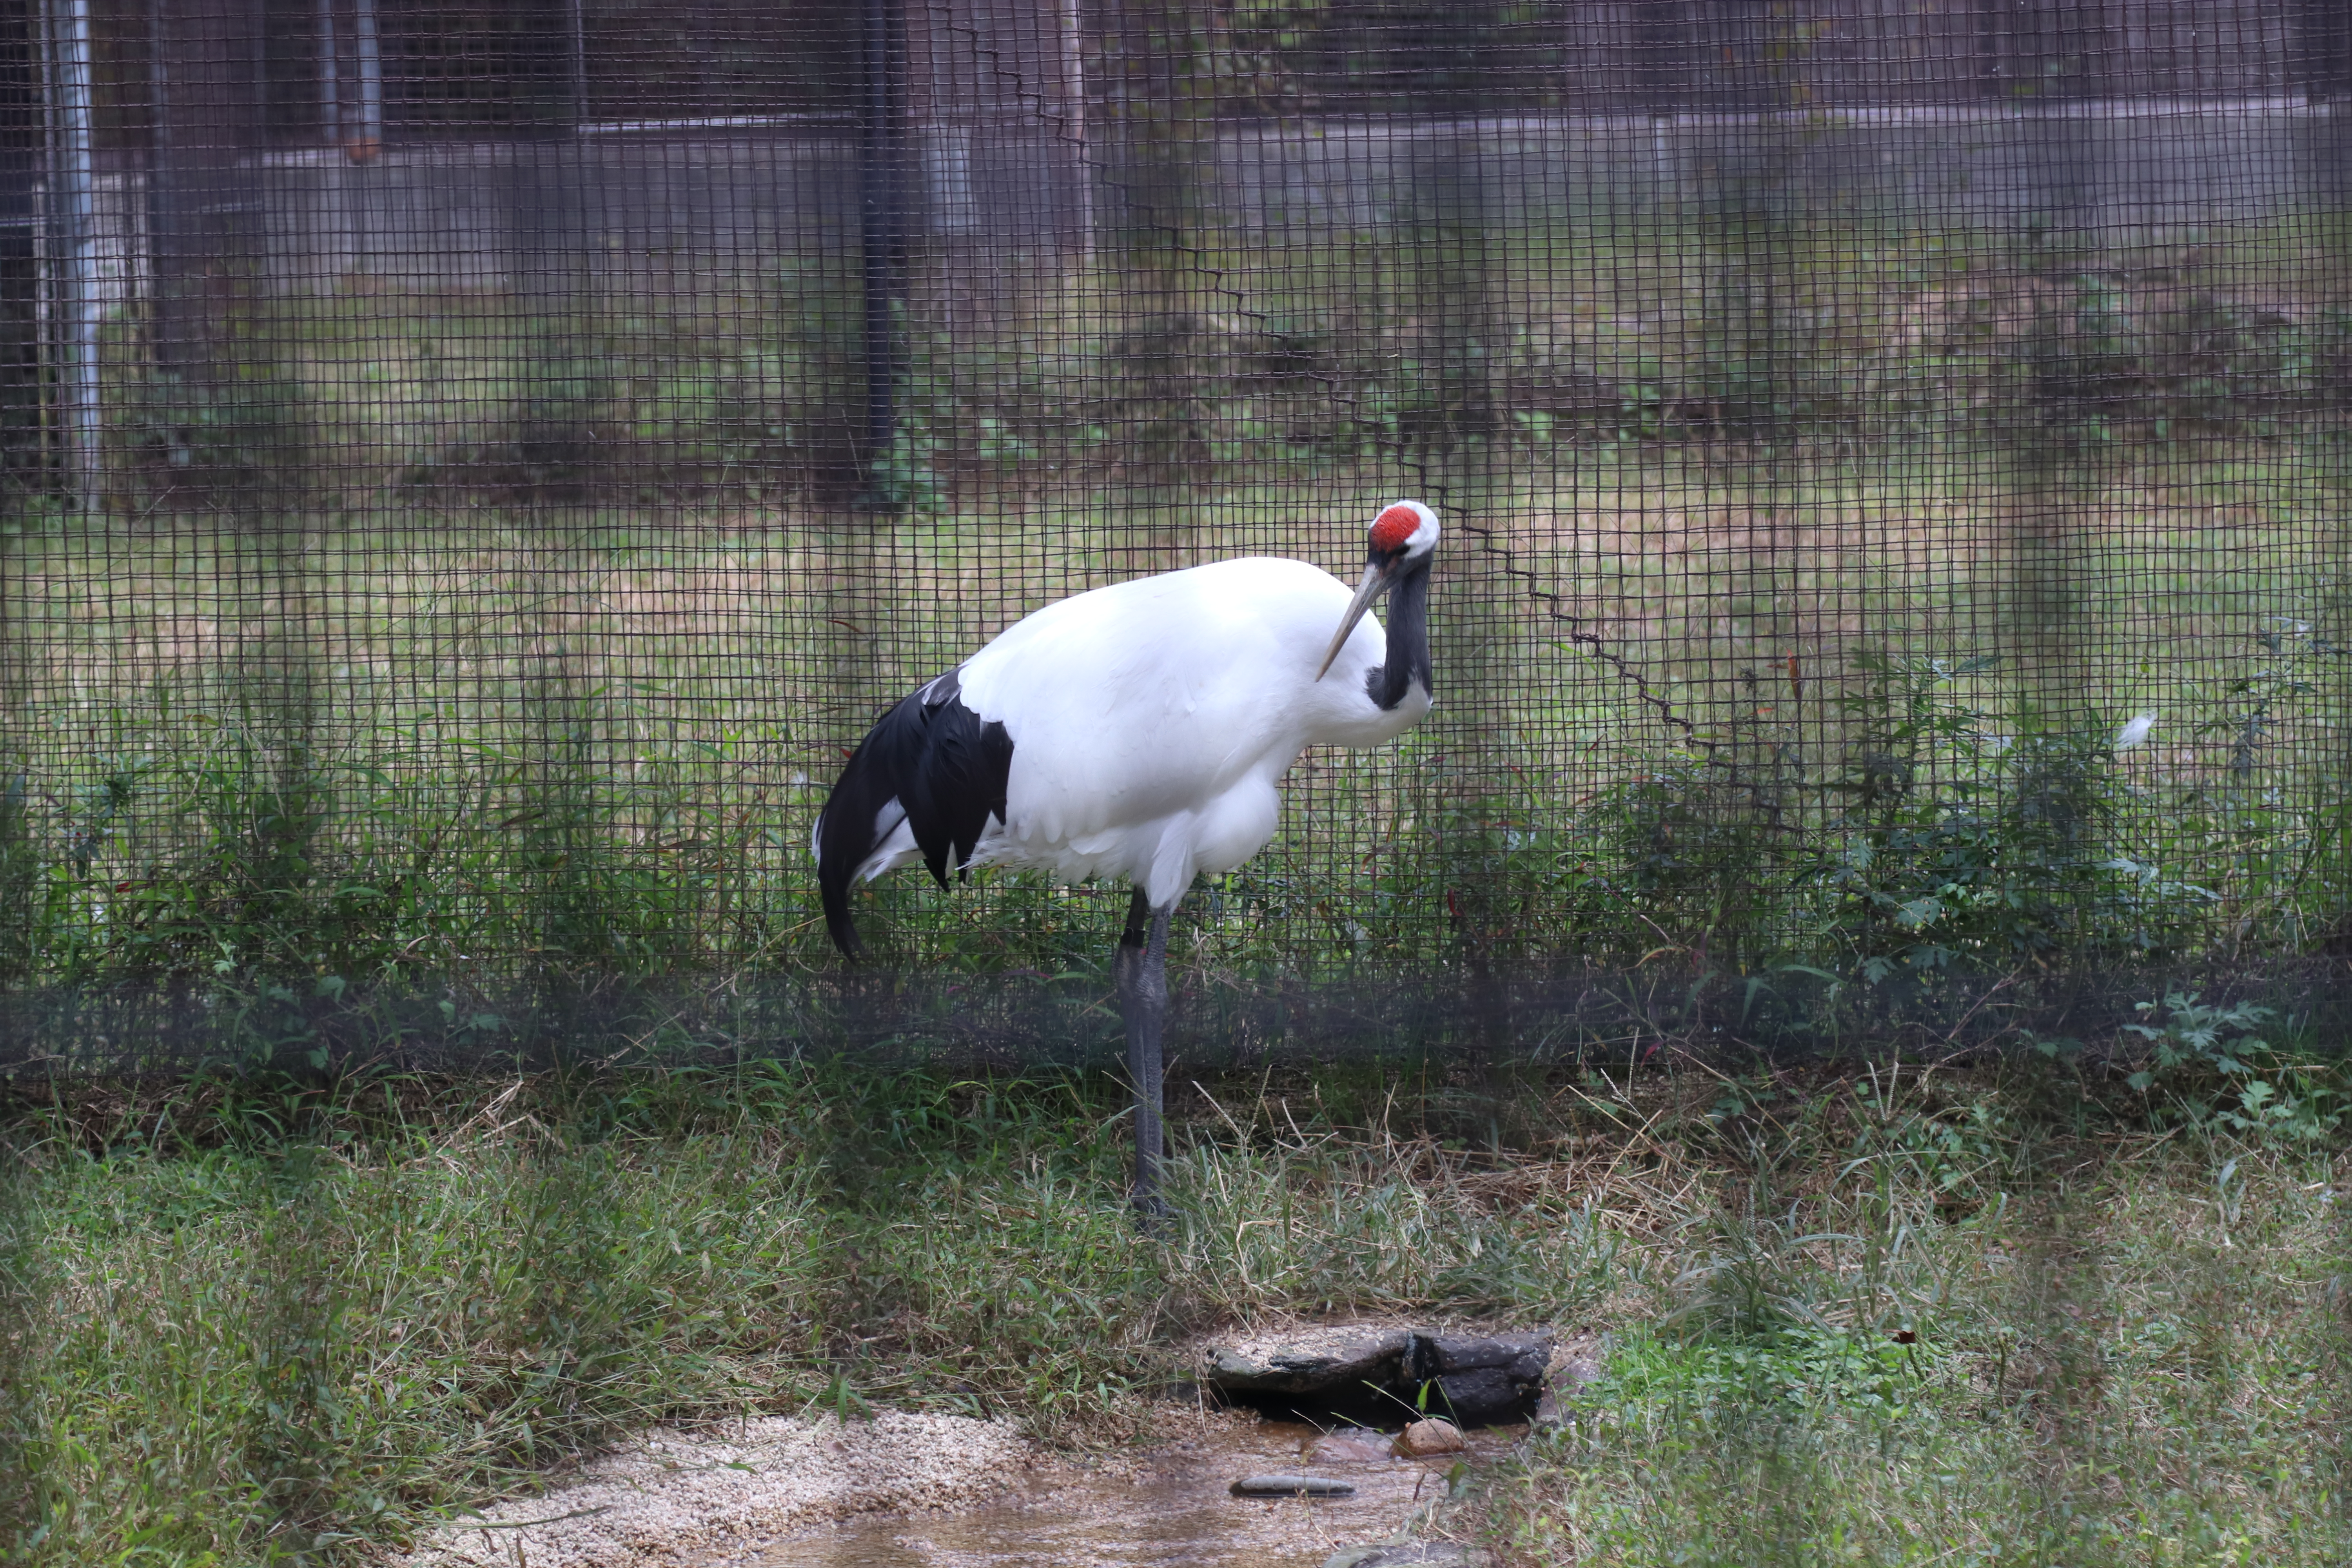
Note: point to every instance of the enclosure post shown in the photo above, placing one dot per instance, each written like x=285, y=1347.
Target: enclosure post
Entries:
x=2326, y=36
x=205, y=235
x=882, y=235
x=71, y=221
x=575, y=59
x=371, y=61
x=1661, y=40
x=1074, y=96
x=330, y=84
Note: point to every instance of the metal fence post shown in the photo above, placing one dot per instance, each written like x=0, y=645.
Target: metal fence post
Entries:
x=882, y=236
x=70, y=220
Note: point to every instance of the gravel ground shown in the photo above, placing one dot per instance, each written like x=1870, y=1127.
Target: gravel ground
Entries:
x=679, y=1495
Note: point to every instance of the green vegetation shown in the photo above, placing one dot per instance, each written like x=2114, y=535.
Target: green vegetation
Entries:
x=2070, y=1301
x=1922, y=1352
x=465, y=649
x=1862, y=721
x=1437, y=340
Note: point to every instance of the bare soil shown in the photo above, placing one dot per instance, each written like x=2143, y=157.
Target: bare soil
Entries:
x=927, y=1491
x=690, y=1497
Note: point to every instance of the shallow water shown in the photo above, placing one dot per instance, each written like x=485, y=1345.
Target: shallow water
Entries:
x=1175, y=1510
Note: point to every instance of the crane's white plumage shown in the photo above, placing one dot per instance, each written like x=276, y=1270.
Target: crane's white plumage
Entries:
x=1152, y=720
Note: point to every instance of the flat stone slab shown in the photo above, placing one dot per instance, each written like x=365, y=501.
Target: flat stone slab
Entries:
x=1350, y=1446
x=1312, y=1361
x=1293, y=1486
x=1419, y=1554
x=1479, y=1379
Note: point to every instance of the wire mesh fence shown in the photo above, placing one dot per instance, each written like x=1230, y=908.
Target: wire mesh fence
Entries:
x=472, y=467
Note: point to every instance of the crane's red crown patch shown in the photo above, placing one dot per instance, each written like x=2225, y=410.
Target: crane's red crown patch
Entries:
x=1394, y=527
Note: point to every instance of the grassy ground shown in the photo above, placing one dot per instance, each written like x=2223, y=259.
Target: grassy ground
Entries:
x=1804, y=569
x=2133, y=1353
x=1852, y=709
x=445, y=657
x=2023, y=1312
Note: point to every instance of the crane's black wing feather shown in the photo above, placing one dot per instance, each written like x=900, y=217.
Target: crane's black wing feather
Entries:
x=944, y=765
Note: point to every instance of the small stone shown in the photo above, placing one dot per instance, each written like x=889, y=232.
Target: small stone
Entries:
x=1418, y=1554
x=1423, y=1439
x=1293, y=1486
x=1349, y=1446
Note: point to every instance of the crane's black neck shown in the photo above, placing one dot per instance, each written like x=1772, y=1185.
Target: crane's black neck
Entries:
x=1408, y=658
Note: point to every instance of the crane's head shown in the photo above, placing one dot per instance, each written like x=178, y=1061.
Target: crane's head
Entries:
x=1400, y=542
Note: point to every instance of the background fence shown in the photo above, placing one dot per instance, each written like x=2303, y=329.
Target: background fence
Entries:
x=471, y=468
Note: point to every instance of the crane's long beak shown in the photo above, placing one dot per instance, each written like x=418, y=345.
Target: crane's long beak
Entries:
x=1375, y=583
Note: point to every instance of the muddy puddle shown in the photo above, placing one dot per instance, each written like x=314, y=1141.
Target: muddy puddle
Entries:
x=1173, y=1509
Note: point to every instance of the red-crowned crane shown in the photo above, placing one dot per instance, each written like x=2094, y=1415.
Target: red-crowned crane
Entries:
x=1139, y=731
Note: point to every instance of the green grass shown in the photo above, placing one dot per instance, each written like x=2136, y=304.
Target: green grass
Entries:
x=2123, y=1354
x=2025, y=1312
x=1255, y=348
x=391, y=747
x=1802, y=577
x=1801, y=571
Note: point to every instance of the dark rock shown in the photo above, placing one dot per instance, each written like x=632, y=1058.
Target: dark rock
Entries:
x=1487, y=1395
x=1487, y=1379
x=1292, y=1486
x=1369, y=1372
x=1465, y=1352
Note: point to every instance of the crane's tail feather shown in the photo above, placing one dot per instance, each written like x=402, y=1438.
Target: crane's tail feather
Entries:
x=942, y=765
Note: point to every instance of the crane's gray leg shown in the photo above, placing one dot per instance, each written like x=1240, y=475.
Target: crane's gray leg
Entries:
x=1142, y=971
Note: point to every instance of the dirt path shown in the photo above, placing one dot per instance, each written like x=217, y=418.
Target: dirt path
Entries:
x=919, y=1491
x=677, y=1497
x=1170, y=1506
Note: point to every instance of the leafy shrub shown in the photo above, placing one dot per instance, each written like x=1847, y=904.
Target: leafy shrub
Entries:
x=247, y=434
x=2216, y=1071
x=2218, y=362
x=1691, y=842
x=1953, y=843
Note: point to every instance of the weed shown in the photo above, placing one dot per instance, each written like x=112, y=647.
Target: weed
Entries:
x=2007, y=1389
x=269, y=1309
x=558, y=748
x=20, y=879
x=1953, y=844
x=2211, y=1065
x=247, y=435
